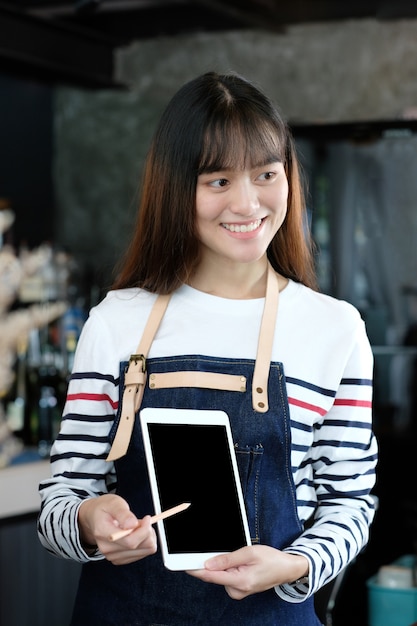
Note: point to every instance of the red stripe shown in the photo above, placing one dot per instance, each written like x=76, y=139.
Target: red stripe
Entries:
x=306, y=405
x=366, y=404
x=97, y=397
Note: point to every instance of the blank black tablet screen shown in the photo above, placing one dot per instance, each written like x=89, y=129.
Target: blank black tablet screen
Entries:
x=193, y=464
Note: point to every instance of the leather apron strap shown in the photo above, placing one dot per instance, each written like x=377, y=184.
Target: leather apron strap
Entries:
x=135, y=376
x=266, y=338
x=135, y=380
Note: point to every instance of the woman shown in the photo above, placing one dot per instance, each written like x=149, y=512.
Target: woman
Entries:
x=221, y=230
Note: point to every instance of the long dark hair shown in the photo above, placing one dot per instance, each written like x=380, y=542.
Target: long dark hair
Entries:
x=213, y=122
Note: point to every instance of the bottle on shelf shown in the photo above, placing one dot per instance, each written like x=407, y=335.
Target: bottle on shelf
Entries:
x=45, y=357
x=16, y=400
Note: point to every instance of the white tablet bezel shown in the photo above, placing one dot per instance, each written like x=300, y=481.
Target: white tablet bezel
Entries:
x=187, y=561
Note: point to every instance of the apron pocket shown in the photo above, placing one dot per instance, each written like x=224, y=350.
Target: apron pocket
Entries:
x=249, y=460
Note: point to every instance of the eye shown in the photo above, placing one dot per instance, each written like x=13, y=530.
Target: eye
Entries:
x=219, y=182
x=267, y=176
x=270, y=175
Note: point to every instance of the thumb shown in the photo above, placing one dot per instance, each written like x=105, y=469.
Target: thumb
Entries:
x=224, y=562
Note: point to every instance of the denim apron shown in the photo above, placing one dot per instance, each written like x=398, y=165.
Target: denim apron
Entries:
x=145, y=593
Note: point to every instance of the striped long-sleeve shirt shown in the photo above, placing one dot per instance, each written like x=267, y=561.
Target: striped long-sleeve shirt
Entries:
x=328, y=367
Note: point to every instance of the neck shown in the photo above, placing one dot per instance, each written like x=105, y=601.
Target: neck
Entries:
x=238, y=282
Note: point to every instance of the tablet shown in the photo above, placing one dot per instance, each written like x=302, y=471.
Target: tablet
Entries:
x=191, y=458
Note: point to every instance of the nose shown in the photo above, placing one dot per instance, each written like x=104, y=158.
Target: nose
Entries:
x=244, y=198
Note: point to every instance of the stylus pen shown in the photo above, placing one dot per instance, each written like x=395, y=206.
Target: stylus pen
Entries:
x=155, y=518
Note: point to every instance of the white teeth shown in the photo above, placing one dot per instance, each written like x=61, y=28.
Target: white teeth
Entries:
x=243, y=228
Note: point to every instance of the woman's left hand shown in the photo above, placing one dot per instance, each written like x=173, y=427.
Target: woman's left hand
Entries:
x=252, y=569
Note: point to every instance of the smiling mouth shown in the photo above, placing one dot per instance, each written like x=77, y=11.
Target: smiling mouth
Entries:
x=243, y=228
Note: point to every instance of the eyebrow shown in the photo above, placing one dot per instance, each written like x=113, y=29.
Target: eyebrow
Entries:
x=219, y=168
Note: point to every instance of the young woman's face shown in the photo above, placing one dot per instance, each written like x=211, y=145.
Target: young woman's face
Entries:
x=240, y=211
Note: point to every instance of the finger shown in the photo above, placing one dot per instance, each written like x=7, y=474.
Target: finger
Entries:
x=236, y=594
x=122, y=516
x=139, y=544
x=155, y=518
x=125, y=557
x=228, y=561
x=143, y=524
x=119, y=534
x=218, y=577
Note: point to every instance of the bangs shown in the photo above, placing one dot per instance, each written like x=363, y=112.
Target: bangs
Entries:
x=241, y=144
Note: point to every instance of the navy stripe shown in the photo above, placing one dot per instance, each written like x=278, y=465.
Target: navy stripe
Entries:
x=326, y=461
x=343, y=423
x=301, y=426
x=81, y=475
x=80, y=417
x=94, y=375
x=62, y=437
x=310, y=503
x=303, y=383
x=306, y=481
x=356, y=381
x=335, y=443
x=78, y=455
x=340, y=495
x=299, y=447
x=341, y=477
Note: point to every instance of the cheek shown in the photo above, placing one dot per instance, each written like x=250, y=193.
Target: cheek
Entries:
x=202, y=206
x=281, y=205
x=284, y=193
x=283, y=198
x=281, y=201
x=203, y=217
x=206, y=209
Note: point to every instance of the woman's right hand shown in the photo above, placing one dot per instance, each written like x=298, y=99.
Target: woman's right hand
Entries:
x=99, y=518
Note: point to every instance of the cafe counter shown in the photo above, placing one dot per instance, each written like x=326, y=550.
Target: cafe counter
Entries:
x=19, y=488
x=36, y=587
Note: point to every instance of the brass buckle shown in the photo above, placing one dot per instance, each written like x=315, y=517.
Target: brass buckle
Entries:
x=135, y=358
